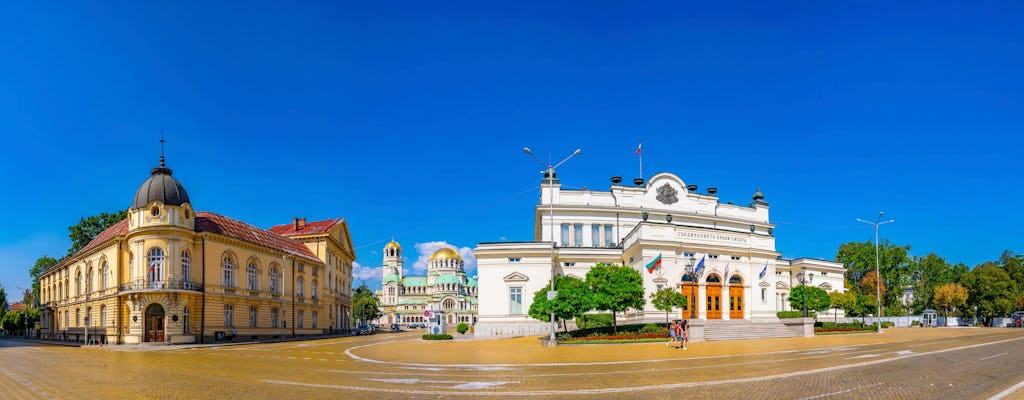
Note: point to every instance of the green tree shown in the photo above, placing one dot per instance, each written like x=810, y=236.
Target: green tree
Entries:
x=462, y=328
x=859, y=259
x=846, y=301
x=3, y=303
x=817, y=298
x=615, y=288
x=573, y=300
x=42, y=264
x=950, y=295
x=990, y=288
x=668, y=299
x=87, y=228
x=365, y=306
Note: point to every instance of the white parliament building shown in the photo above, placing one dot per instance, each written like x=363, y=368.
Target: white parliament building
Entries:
x=633, y=225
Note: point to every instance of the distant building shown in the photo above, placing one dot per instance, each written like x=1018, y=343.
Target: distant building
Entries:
x=169, y=274
x=445, y=287
x=16, y=306
x=742, y=277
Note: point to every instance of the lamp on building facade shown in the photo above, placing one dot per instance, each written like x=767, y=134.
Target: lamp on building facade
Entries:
x=549, y=177
x=693, y=284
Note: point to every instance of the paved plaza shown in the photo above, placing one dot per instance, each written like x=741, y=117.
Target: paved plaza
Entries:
x=915, y=363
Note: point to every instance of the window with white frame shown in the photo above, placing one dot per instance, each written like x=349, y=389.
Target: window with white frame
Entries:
x=103, y=316
x=315, y=322
x=273, y=279
x=301, y=316
x=228, y=267
x=515, y=300
x=273, y=317
x=515, y=259
x=155, y=265
x=298, y=287
x=252, y=316
x=608, y=235
x=578, y=235
x=764, y=295
x=251, y=276
x=186, y=321
x=595, y=235
x=229, y=315
x=312, y=289
x=186, y=265
x=565, y=235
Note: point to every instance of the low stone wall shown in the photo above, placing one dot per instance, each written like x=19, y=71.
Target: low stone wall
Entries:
x=802, y=326
x=695, y=330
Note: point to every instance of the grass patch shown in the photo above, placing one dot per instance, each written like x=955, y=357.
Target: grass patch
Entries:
x=613, y=341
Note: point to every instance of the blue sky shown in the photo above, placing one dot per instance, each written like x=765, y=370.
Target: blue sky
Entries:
x=408, y=120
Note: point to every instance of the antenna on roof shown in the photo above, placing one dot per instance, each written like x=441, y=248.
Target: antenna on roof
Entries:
x=161, y=148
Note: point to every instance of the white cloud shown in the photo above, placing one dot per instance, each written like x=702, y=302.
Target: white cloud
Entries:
x=425, y=250
x=360, y=272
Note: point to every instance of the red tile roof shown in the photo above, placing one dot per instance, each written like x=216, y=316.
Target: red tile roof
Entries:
x=219, y=224
x=213, y=223
x=311, y=228
x=115, y=230
x=17, y=306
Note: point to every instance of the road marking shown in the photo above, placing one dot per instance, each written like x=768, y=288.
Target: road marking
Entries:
x=840, y=392
x=990, y=357
x=904, y=352
x=1008, y=391
x=25, y=382
x=866, y=356
x=460, y=384
x=649, y=387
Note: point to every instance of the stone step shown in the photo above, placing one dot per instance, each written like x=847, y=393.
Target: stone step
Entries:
x=738, y=330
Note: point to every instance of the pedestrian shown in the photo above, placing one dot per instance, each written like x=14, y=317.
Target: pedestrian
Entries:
x=684, y=333
x=671, y=335
x=678, y=328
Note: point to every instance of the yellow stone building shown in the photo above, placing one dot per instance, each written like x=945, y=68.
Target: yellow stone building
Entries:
x=169, y=274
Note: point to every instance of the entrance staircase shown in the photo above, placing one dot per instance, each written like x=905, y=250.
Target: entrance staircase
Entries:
x=739, y=329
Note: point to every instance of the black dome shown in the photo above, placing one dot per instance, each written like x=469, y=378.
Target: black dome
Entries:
x=160, y=186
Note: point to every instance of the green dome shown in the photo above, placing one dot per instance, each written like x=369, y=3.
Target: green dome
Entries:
x=470, y=282
x=391, y=278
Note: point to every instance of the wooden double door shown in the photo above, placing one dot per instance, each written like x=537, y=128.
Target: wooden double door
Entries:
x=154, y=323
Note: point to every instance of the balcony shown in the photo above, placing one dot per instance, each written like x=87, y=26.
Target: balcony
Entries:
x=142, y=285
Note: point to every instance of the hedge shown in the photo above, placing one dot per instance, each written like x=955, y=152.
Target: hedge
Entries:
x=795, y=314
x=441, y=336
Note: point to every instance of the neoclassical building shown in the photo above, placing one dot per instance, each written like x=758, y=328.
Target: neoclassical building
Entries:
x=170, y=274
x=742, y=276
x=445, y=287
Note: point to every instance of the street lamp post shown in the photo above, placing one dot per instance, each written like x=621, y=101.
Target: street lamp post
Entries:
x=693, y=285
x=549, y=174
x=878, y=276
x=280, y=287
x=804, y=279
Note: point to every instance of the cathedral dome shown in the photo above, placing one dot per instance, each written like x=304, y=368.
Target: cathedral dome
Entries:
x=160, y=186
x=392, y=245
x=445, y=253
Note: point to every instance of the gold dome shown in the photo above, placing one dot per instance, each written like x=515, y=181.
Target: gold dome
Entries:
x=445, y=253
x=392, y=244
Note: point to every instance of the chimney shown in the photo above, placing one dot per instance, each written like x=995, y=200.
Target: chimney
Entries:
x=298, y=223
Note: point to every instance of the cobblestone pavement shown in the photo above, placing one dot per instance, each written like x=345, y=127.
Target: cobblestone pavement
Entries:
x=914, y=363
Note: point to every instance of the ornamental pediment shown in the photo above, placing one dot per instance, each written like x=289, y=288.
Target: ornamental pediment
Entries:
x=781, y=285
x=825, y=286
x=516, y=277
x=763, y=284
x=660, y=279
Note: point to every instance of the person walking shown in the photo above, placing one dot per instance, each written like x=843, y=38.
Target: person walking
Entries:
x=671, y=335
x=684, y=334
x=678, y=328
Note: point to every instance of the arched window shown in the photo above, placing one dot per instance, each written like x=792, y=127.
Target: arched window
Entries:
x=103, y=316
x=735, y=280
x=78, y=283
x=155, y=265
x=88, y=281
x=273, y=279
x=186, y=321
x=251, y=275
x=228, y=267
x=312, y=289
x=298, y=287
x=186, y=266
x=104, y=270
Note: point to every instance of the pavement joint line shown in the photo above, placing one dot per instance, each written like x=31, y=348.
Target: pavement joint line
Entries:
x=476, y=366
x=656, y=387
x=991, y=357
x=840, y=392
x=1008, y=391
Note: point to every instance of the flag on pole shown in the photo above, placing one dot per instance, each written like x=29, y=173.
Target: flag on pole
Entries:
x=763, y=271
x=727, y=270
x=654, y=264
x=638, y=146
x=696, y=271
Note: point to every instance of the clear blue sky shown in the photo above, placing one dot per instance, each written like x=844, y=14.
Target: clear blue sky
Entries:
x=408, y=120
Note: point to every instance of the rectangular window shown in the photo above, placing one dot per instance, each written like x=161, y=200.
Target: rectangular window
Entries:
x=608, y=241
x=764, y=295
x=565, y=235
x=515, y=259
x=301, y=315
x=314, y=320
x=713, y=256
x=735, y=258
x=252, y=316
x=824, y=273
x=103, y=316
x=515, y=300
x=570, y=264
x=229, y=317
x=659, y=287
x=300, y=267
x=595, y=235
x=578, y=233
x=688, y=255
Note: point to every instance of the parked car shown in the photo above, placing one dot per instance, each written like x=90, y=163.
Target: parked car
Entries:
x=417, y=326
x=364, y=330
x=1017, y=319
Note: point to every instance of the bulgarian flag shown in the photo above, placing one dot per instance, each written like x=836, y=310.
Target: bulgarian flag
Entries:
x=654, y=264
x=638, y=146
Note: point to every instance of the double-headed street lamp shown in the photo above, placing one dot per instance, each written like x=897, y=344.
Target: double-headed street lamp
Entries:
x=693, y=284
x=878, y=276
x=805, y=280
x=549, y=178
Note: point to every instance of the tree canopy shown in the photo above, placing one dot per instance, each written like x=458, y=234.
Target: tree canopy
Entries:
x=573, y=300
x=817, y=298
x=88, y=227
x=668, y=299
x=615, y=288
x=365, y=306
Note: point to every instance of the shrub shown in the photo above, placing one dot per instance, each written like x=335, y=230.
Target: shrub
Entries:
x=588, y=321
x=915, y=323
x=440, y=336
x=462, y=328
x=652, y=328
x=888, y=324
x=795, y=314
